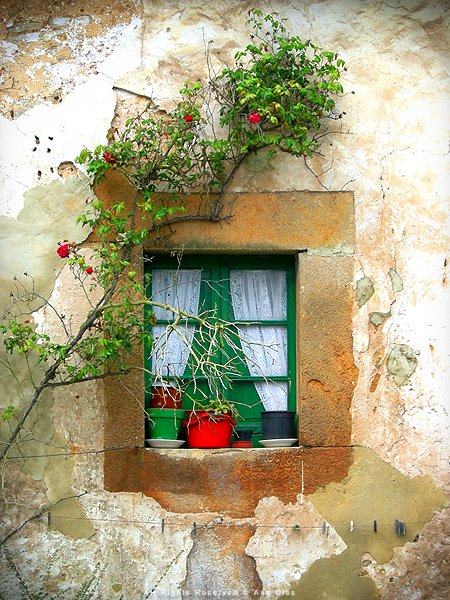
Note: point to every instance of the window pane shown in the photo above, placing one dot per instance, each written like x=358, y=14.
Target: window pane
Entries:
x=259, y=295
x=265, y=349
x=171, y=350
x=179, y=288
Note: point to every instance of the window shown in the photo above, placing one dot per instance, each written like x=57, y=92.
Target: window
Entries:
x=257, y=294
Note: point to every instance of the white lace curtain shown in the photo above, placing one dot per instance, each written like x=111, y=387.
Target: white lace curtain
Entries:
x=180, y=289
x=261, y=295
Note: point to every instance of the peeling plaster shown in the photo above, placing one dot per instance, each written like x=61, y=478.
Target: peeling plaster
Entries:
x=378, y=318
x=400, y=576
x=258, y=162
x=39, y=558
x=29, y=243
x=373, y=490
x=40, y=433
x=194, y=24
x=401, y=363
x=364, y=290
x=282, y=553
x=66, y=516
x=218, y=566
x=72, y=48
x=68, y=298
x=141, y=556
x=397, y=283
x=46, y=136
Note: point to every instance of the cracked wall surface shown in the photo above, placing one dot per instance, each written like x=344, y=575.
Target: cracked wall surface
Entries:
x=70, y=72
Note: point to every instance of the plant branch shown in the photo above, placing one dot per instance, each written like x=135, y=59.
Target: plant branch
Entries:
x=39, y=514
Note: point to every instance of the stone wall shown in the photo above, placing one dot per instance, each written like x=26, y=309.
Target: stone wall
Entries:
x=72, y=71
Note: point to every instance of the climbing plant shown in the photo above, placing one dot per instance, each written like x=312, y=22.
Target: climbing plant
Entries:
x=279, y=94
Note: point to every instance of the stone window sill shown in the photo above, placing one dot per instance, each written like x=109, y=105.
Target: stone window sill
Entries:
x=199, y=480
x=202, y=452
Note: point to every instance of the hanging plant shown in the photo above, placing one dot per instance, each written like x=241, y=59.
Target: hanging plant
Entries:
x=280, y=93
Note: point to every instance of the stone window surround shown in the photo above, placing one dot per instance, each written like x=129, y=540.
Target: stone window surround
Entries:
x=319, y=228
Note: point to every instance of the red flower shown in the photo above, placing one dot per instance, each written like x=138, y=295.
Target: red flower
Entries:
x=63, y=251
x=110, y=158
x=188, y=118
x=254, y=118
x=89, y=270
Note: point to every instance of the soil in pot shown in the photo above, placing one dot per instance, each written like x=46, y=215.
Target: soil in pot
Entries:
x=278, y=424
x=164, y=423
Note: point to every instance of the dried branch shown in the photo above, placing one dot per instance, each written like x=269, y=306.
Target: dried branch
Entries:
x=39, y=514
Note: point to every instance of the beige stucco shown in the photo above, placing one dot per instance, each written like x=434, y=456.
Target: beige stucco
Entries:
x=71, y=74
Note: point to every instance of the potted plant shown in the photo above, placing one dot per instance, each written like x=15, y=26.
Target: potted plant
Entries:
x=210, y=425
x=164, y=426
x=165, y=395
x=279, y=428
x=242, y=438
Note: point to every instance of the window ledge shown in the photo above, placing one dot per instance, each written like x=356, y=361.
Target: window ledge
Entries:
x=204, y=452
x=198, y=480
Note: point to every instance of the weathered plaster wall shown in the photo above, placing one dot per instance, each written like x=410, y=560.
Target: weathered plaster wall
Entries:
x=72, y=72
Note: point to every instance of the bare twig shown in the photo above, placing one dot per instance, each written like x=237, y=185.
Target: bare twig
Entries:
x=38, y=514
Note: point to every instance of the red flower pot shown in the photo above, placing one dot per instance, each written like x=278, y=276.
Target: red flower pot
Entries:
x=242, y=444
x=204, y=430
x=165, y=397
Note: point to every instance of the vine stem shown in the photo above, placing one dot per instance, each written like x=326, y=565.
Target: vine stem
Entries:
x=50, y=374
x=218, y=207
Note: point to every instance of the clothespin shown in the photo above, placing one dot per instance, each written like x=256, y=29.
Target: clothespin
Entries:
x=400, y=527
x=195, y=528
x=351, y=525
x=296, y=527
x=324, y=527
x=375, y=525
x=162, y=526
x=49, y=518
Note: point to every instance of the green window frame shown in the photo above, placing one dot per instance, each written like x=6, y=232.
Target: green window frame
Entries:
x=215, y=294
